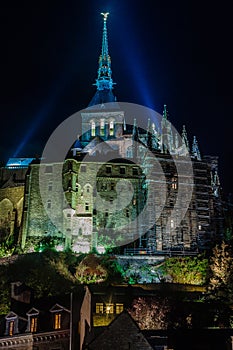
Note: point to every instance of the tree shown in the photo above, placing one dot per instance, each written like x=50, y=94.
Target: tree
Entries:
x=150, y=312
x=221, y=274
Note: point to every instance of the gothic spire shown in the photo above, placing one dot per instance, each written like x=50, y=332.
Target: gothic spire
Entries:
x=104, y=80
x=195, y=149
x=185, y=138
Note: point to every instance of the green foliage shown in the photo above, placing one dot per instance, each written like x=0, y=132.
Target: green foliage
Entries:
x=220, y=286
x=186, y=270
x=4, y=292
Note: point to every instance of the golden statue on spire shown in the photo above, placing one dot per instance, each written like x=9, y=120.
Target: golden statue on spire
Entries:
x=105, y=15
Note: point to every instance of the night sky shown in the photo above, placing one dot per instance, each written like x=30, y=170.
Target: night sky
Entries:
x=177, y=53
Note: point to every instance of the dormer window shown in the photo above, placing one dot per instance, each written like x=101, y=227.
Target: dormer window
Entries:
x=58, y=313
x=32, y=315
x=11, y=324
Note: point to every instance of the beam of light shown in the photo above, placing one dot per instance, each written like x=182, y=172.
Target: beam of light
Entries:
x=46, y=109
x=131, y=50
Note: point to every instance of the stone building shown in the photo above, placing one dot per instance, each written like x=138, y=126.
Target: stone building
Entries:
x=143, y=189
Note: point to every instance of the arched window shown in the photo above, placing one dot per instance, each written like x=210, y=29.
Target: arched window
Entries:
x=92, y=128
x=102, y=125
x=111, y=128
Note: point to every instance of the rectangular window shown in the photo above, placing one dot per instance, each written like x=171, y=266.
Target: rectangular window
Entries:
x=174, y=183
x=83, y=168
x=48, y=169
x=99, y=308
x=108, y=169
x=122, y=170
x=135, y=171
x=109, y=308
x=86, y=206
x=11, y=328
x=50, y=187
x=112, y=186
x=57, y=321
x=33, y=325
x=119, y=308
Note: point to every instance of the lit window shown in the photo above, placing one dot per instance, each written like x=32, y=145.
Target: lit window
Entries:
x=111, y=128
x=57, y=321
x=99, y=308
x=109, y=308
x=199, y=227
x=33, y=325
x=49, y=204
x=86, y=206
x=93, y=129
x=174, y=183
x=102, y=127
x=119, y=308
x=172, y=223
x=11, y=328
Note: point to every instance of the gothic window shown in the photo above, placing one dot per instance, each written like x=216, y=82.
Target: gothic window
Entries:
x=99, y=308
x=33, y=324
x=102, y=125
x=49, y=204
x=119, y=308
x=111, y=128
x=93, y=129
x=57, y=321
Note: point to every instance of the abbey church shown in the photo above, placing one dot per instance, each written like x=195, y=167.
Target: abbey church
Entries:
x=142, y=189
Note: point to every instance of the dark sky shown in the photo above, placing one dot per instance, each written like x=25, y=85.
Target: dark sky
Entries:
x=177, y=53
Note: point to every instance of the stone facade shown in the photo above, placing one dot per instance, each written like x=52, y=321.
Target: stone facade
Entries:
x=120, y=185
